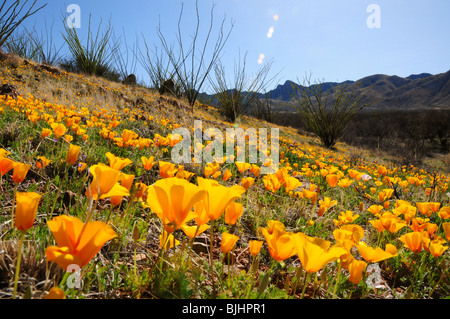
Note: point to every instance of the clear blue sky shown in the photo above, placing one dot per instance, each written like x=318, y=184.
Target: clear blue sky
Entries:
x=328, y=38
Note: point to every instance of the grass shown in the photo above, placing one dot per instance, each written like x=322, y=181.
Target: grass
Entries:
x=133, y=265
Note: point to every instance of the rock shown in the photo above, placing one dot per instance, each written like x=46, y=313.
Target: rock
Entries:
x=167, y=87
x=9, y=90
x=130, y=80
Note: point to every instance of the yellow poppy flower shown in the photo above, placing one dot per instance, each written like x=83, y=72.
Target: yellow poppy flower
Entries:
x=314, y=252
x=218, y=197
x=171, y=199
x=105, y=183
x=375, y=255
x=193, y=231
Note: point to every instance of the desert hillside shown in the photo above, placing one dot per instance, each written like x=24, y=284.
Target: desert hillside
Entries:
x=328, y=223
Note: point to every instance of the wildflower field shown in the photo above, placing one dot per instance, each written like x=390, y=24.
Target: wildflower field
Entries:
x=93, y=207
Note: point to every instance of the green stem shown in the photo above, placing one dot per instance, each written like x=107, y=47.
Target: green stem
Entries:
x=59, y=191
x=337, y=281
x=13, y=206
x=19, y=259
x=211, y=258
x=308, y=275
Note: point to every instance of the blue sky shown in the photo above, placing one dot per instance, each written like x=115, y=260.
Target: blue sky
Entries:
x=328, y=38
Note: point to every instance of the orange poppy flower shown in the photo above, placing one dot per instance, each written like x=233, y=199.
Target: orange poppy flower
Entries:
x=25, y=210
x=228, y=242
x=375, y=255
x=59, y=129
x=356, y=269
x=218, y=197
x=72, y=154
x=414, y=241
x=226, y=175
x=247, y=182
x=314, y=252
x=117, y=163
x=5, y=165
x=105, y=183
x=77, y=243
x=255, y=246
x=167, y=169
x=148, y=162
x=242, y=166
x=233, y=212
x=20, y=172
x=55, y=293
x=332, y=180
x=171, y=199
x=279, y=242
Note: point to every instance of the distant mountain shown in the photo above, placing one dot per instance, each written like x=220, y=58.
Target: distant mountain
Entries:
x=416, y=91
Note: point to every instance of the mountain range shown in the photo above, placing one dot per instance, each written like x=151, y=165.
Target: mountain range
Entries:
x=417, y=91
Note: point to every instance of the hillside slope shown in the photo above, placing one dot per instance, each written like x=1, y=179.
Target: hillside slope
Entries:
x=107, y=197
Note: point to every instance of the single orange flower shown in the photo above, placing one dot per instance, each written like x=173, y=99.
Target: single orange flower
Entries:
x=332, y=180
x=279, y=242
x=117, y=163
x=59, y=129
x=167, y=169
x=444, y=212
x=242, y=166
x=25, y=210
x=77, y=243
x=55, y=293
x=414, y=241
x=314, y=252
x=105, y=183
x=20, y=172
x=255, y=246
x=446, y=227
x=218, y=197
x=233, y=212
x=247, y=182
x=375, y=255
x=228, y=242
x=171, y=199
x=356, y=268
x=72, y=154
x=6, y=165
x=226, y=175
x=148, y=162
